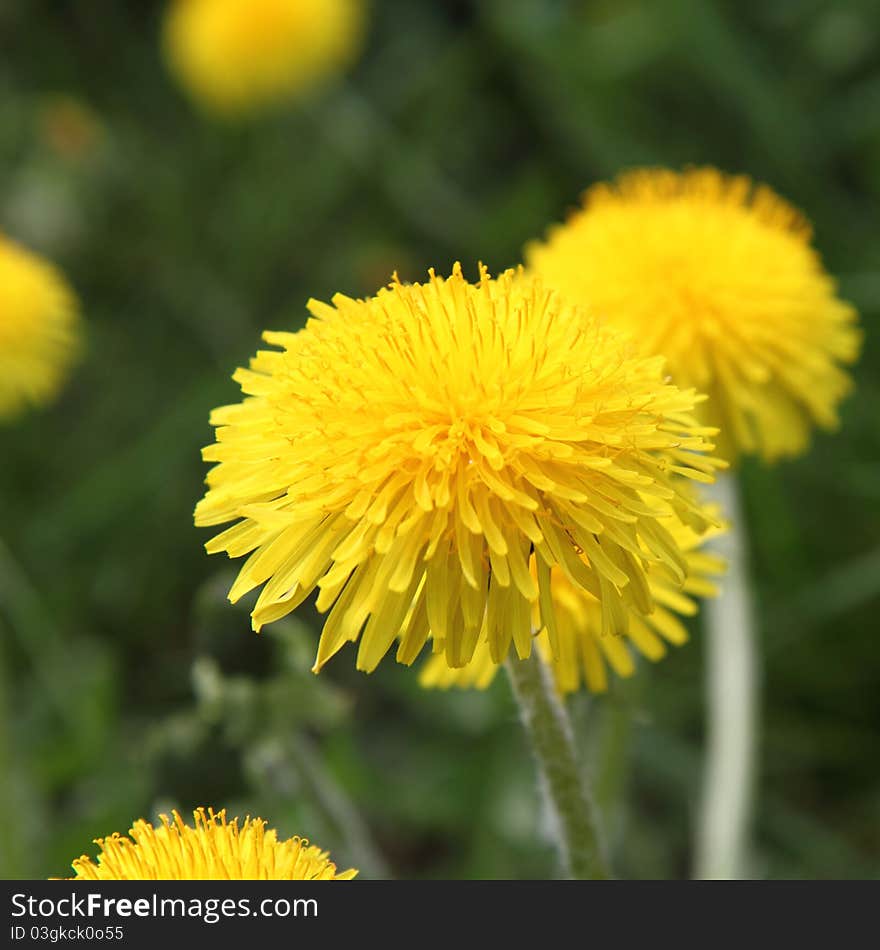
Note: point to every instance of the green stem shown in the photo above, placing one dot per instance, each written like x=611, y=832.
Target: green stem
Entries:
x=732, y=688
x=338, y=809
x=549, y=731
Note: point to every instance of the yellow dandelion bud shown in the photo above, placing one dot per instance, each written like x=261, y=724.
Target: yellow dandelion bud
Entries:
x=214, y=850
x=39, y=330
x=407, y=454
x=720, y=277
x=583, y=654
x=234, y=56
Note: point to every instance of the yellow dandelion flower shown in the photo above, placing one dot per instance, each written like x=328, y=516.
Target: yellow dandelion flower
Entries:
x=39, y=329
x=719, y=276
x=406, y=454
x=234, y=56
x=214, y=850
x=583, y=653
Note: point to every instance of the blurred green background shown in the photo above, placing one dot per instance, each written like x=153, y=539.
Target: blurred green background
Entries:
x=127, y=683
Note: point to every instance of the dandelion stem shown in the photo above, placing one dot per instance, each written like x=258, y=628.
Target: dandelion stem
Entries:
x=732, y=686
x=339, y=810
x=549, y=731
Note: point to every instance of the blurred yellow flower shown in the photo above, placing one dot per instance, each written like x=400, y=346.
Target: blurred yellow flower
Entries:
x=406, y=454
x=719, y=276
x=39, y=329
x=215, y=849
x=584, y=653
x=235, y=56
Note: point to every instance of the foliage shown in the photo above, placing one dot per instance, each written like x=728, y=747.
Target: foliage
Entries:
x=128, y=685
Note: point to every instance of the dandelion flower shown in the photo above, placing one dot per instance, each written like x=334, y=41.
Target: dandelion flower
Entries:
x=39, y=329
x=234, y=56
x=215, y=849
x=583, y=654
x=719, y=276
x=406, y=455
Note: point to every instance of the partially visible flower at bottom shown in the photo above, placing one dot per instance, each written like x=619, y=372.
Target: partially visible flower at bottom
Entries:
x=215, y=849
x=39, y=332
x=584, y=653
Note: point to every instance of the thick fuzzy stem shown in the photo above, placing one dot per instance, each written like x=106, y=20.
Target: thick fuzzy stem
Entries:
x=732, y=687
x=549, y=731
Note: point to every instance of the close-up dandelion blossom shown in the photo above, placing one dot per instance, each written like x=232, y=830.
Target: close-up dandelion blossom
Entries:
x=407, y=453
x=39, y=329
x=237, y=56
x=719, y=275
x=584, y=656
x=211, y=849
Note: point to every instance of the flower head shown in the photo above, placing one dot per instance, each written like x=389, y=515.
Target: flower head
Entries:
x=215, y=849
x=407, y=454
x=720, y=277
x=39, y=330
x=234, y=56
x=583, y=654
